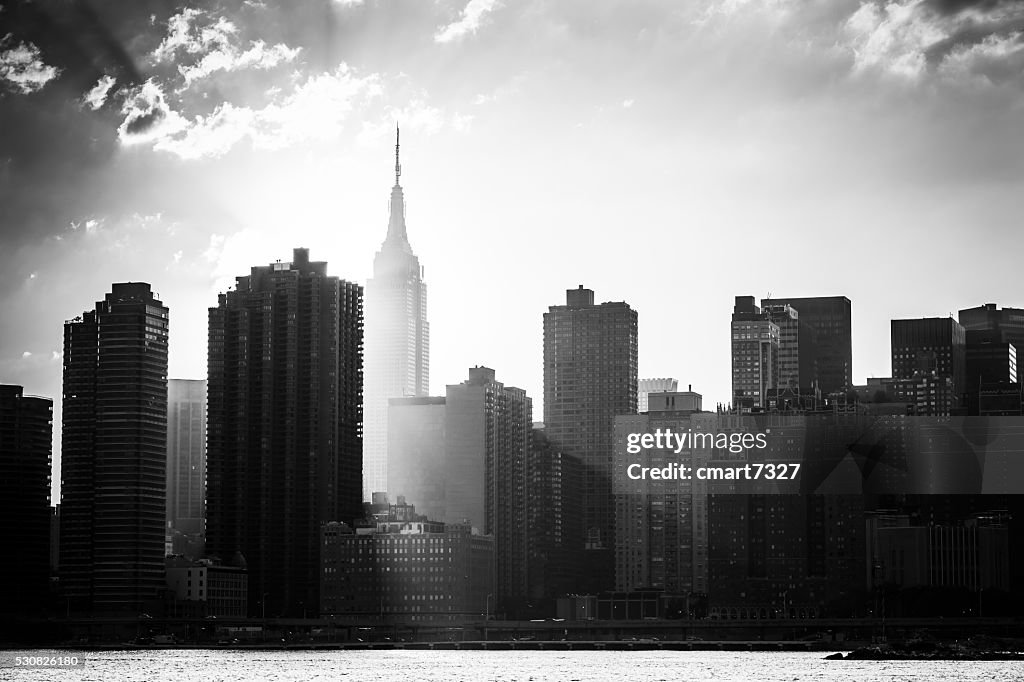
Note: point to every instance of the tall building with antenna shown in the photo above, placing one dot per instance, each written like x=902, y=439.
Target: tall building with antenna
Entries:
x=397, y=337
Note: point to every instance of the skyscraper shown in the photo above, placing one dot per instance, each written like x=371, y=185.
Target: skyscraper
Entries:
x=416, y=453
x=554, y=522
x=590, y=376
x=788, y=321
x=25, y=445
x=488, y=428
x=928, y=363
x=826, y=348
x=993, y=338
x=283, y=430
x=465, y=457
x=661, y=526
x=114, y=453
x=397, y=337
x=186, y=462
x=186, y=449
x=755, y=355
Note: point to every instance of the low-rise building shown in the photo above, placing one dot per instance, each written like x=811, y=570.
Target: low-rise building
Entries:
x=204, y=587
x=402, y=570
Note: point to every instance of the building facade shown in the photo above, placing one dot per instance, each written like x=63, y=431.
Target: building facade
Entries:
x=202, y=588
x=488, y=431
x=555, y=519
x=590, y=376
x=755, y=355
x=787, y=319
x=826, y=346
x=993, y=337
x=406, y=570
x=25, y=458
x=785, y=556
x=647, y=386
x=661, y=540
x=1008, y=323
x=929, y=363
x=464, y=458
x=114, y=453
x=397, y=338
x=417, y=468
x=284, y=425
x=186, y=464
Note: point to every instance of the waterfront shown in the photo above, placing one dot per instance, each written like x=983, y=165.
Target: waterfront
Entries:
x=453, y=666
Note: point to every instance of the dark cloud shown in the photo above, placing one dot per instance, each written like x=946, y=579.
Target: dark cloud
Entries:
x=950, y=7
x=142, y=122
x=53, y=148
x=973, y=34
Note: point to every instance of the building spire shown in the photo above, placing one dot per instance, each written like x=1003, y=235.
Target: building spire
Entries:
x=396, y=223
x=398, y=166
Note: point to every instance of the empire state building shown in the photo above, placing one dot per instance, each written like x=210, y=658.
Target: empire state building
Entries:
x=397, y=338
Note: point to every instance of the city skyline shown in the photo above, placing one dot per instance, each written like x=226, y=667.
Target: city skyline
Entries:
x=669, y=158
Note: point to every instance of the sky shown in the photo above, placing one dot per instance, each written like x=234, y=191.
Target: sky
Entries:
x=670, y=155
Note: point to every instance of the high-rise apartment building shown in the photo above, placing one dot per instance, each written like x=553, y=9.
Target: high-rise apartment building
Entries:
x=590, y=376
x=662, y=525
x=755, y=355
x=826, y=348
x=25, y=455
x=186, y=457
x=488, y=428
x=114, y=453
x=397, y=338
x=784, y=556
x=464, y=457
x=554, y=522
x=284, y=426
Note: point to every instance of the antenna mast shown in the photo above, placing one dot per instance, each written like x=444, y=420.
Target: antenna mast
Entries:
x=398, y=166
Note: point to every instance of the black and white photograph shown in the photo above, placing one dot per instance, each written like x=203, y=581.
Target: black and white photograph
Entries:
x=458, y=340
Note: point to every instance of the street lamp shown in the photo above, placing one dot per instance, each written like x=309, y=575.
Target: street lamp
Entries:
x=487, y=614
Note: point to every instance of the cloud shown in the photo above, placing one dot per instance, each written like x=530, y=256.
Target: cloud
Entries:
x=949, y=7
x=185, y=33
x=462, y=123
x=916, y=39
x=416, y=116
x=349, y=3
x=147, y=115
x=469, y=21
x=994, y=60
x=22, y=66
x=196, y=33
x=316, y=110
x=96, y=97
x=892, y=39
x=258, y=56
